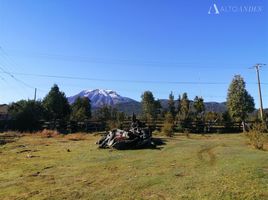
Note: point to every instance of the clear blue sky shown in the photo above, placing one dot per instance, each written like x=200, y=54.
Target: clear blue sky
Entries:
x=174, y=45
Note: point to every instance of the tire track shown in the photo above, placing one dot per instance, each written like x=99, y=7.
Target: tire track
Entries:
x=210, y=154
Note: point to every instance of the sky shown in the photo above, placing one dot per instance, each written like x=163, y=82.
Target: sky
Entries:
x=131, y=46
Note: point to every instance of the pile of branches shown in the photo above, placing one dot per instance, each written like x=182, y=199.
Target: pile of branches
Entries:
x=136, y=137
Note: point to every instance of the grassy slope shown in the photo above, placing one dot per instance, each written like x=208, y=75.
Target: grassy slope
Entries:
x=202, y=167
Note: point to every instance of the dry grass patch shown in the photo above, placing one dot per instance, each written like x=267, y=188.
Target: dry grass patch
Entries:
x=75, y=136
x=48, y=133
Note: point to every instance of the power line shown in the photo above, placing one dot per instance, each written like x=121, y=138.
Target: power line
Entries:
x=16, y=79
x=8, y=60
x=124, y=80
x=118, y=61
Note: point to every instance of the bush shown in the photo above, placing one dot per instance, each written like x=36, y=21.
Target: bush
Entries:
x=167, y=129
x=256, y=135
x=186, y=132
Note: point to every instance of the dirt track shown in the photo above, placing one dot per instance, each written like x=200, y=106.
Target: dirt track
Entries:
x=209, y=152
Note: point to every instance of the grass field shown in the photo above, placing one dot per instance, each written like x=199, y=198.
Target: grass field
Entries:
x=200, y=167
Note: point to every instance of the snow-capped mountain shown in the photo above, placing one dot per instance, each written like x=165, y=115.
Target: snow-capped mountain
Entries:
x=100, y=97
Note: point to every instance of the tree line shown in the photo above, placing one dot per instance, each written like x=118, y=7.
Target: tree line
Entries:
x=181, y=113
x=26, y=115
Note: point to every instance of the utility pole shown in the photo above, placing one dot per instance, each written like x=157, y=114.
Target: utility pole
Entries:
x=35, y=94
x=257, y=67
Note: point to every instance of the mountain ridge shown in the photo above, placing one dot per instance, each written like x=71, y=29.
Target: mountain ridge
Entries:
x=102, y=97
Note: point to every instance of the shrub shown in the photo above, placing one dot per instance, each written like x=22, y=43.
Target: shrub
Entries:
x=167, y=129
x=256, y=135
x=168, y=126
x=186, y=132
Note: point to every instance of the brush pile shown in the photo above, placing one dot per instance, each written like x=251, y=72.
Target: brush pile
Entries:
x=136, y=137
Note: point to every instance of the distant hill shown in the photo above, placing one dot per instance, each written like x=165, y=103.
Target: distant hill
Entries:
x=129, y=107
x=210, y=106
x=215, y=107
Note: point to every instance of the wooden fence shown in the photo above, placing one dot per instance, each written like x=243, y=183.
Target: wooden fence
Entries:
x=95, y=126
x=179, y=126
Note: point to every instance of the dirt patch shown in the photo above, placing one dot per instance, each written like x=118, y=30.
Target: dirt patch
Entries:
x=75, y=137
x=153, y=195
x=9, y=137
x=49, y=167
x=210, y=154
x=31, y=156
x=265, y=170
x=35, y=174
x=111, y=169
x=27, y=150
x=20, y=146
x=5, y=141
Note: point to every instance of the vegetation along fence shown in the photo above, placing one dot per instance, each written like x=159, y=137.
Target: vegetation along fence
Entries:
x=95, y=126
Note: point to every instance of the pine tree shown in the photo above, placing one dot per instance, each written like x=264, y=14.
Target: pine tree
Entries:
x=199, y=107
x=104, y=113
x=149, y=106
x=158, y=108
x=239, y=102
x=171, y=105
x=185, y=107
x=81, y=109
x=179, y=105
x=56, y=104
x=26, y=115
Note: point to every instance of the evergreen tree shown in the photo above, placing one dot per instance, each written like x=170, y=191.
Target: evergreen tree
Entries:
x=111, y=117
x=183, y=113
x=26, y=115
x=179, y=105
x=213, y=116
x=184, y=107
x=199, y=107
x=81, y=109
x=158, y=108
x=171, y=105
x=148, y=102
x=239, y=102
x=104, y=113
x=56, y=104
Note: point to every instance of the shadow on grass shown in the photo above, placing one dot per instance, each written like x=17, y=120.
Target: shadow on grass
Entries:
x=8, y=137
x=159, y=141
x=154, y=144
x=157, y=144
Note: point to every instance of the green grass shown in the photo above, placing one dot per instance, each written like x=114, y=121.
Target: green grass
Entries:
x=200, y=167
